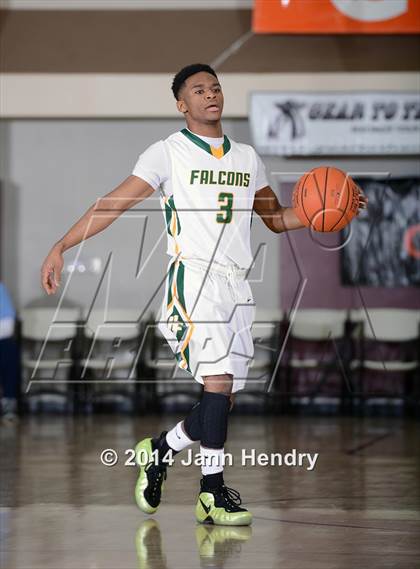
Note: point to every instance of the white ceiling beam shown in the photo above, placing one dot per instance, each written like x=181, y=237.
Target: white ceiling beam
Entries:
x=126, y=4
x=87, y=95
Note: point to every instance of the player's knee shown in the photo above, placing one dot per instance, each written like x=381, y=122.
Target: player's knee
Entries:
x=192, y=422
x=219, y=383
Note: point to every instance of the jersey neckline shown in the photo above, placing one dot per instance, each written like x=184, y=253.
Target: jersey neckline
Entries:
x=216, y=152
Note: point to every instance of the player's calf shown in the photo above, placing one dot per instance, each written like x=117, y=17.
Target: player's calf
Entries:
x=217, y=504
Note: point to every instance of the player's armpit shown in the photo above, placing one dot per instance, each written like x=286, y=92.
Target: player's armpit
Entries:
x=130, y=192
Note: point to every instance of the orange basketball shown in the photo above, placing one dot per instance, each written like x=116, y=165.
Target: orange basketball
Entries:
x=325, y=199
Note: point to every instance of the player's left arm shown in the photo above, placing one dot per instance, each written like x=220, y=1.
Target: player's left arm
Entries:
x=279, y=218
x=275, y=216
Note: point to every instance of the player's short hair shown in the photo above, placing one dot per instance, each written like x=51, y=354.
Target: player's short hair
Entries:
x=186, y=72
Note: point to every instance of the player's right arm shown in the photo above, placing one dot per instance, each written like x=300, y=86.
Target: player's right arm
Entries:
x=130, y=192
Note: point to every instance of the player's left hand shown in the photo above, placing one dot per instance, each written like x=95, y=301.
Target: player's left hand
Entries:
x=363, y=201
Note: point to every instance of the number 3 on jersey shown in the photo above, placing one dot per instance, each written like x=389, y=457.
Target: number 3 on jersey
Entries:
x=225, y=201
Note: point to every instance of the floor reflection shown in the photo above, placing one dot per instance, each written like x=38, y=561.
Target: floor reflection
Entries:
x=61, y=508
x=219, y=544
x=149, y=546
x=216, y=545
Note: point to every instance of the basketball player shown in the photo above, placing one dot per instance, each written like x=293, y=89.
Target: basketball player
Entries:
x=208, y=185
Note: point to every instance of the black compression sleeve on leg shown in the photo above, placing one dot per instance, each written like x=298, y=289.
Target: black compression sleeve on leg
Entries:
x=214, y=410
x=192, y=425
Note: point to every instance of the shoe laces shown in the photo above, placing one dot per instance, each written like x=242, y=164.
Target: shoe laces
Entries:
x=231, y=496
x=158, y=475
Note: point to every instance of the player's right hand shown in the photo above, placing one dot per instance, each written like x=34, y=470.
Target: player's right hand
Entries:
x=51, y=270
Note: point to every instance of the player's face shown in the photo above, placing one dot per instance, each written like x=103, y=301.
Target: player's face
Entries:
x=202, y=98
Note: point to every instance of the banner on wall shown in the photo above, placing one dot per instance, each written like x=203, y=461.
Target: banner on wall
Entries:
x=336, y=16
x=299, y=124
x=383, y=249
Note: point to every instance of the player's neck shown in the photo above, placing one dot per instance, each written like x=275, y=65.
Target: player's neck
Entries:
x=211, y=130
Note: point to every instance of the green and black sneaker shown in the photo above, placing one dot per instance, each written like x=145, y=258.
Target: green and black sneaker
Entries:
x=150, y=553
x=152, y=475
x=221, y=506
x=218, y=544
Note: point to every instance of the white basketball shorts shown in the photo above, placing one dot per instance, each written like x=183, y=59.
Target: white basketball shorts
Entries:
x=206, y=318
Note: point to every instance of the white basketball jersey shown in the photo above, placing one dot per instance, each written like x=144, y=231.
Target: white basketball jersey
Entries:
x=207, y=198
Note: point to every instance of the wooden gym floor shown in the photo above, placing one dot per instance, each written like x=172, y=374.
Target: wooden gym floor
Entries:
x=358, y=508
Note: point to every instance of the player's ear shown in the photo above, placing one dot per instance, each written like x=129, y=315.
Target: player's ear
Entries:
x=181, y=106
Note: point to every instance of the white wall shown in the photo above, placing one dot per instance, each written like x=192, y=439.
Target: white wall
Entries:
x=53, y=170
x=146, y=95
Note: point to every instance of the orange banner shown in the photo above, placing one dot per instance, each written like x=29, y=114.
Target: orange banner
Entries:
x=336, y=16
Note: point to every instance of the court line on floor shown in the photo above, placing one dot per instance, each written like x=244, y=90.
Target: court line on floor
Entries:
x=271, y=500
x=330, y=524
x=369, y=442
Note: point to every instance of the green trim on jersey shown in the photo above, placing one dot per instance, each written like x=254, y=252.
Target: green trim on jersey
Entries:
x=180, y=284
x=175, y=319
x=204, y=145
x=170, y=279
x=177, y=323
x=170, y=211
